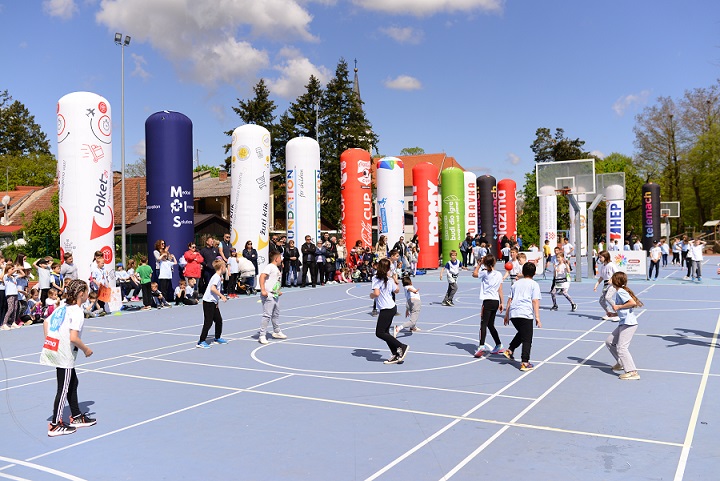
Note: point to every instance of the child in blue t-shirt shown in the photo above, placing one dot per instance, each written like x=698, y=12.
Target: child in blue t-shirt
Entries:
x=453, y=267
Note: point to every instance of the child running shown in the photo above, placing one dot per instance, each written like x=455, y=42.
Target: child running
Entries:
x=412, y=309
x=453, y=267
x=491, y=296
x=62, y=342
x=523, y=304
x=562, y=285
x=606, y=269
x=383, y=287
x=619, y=341
x=211, y=308
x=270, y=296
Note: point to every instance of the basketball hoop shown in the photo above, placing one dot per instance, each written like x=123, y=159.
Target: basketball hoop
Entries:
x=565, y=191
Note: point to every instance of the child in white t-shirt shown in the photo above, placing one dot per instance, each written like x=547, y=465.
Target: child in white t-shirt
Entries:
x=412, y=307
x=522, y=306
x=211, y=308
x=270, y=297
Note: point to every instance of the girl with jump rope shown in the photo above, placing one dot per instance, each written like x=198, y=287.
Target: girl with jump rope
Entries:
x=606, y=269
x=491, y=295
x=619, y=341
x=562, y=285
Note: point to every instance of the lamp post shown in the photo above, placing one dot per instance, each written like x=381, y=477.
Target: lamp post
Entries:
x=123, y=43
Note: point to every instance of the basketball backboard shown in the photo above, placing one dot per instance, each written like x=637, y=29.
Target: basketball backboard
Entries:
x=672, y=209
x=576, y=175
x=611, y=185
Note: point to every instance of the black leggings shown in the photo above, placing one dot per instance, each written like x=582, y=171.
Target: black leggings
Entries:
x=147, y=294
x=211, y=313
x=67, y=384
x=382, y=329
x=489, y=310
x=524, y=336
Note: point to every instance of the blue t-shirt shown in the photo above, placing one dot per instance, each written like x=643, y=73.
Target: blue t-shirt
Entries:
x=625, y=316
x=522, y=293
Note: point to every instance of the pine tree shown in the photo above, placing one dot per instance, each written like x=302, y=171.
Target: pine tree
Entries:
x=259, y=110
x=343, y=125
x=19, y=134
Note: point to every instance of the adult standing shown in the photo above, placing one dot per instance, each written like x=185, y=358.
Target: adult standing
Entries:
x=167, y=261
x=209, y=253
x=291, y=263
x=251, y=254
x=381, y=248
x=308, y=261
x=402, y=250
x=157, y=254
x=341, y=254
x=68, y=270
x=519, y=241
x=194, y=266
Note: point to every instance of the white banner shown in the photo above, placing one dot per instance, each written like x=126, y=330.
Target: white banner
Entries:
x=632, y=263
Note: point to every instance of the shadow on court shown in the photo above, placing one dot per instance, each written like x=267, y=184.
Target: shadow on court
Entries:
x=372, y=355
x=463, y=346
x=595, y=364
x=682, y=339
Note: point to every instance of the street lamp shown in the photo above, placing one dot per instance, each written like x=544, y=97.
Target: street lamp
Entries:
x=123, y=43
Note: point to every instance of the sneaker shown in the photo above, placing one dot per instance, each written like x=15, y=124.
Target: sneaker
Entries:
x=135, y=299
x=82, y=421
x=629, y=376
x=415, y=329
x=220, y=340
x=480, y=352
x=508, y=354
x=28, y=323
x=146, y=308
x=374, y=312
x=396, y=329
x=554, y=308
x=202, y=345
x=397, y=313
x=699, y=279
x=526, y=366
x=59, y=429
x=614, y=319
x=686, y=278
x=445, y=303
x=279, y=335
x=498, y=349
x=15, y=326
x=606, y=317
x=617, y=367
x=262, y=339
x=4, y=327
x=392, y=360
x=451, y=302
x=573, y=307
x=402, y=352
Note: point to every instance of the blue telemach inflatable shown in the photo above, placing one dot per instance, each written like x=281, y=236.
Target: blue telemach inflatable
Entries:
x=169, y=149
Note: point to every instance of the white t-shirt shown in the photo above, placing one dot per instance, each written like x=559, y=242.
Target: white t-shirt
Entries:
x=43, y=277
x=568, y=249
x=655, y=253
x=522, y=293
x=233, y=267
x=165, y=269
x=272, y=282
x=385, y=300
x=490, y=284
x=58, y=351
x=11, y=288
x=411, y=294
x=210, y=296
x=696, y=251
x=637, y=246
x=606, y=271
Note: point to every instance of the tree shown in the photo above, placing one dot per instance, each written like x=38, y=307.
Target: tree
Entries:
x=616, y=162
x=19, y=134
x=704, y=172
x=137, y=168
x=551, y=149
x=42, y=233
x=36, y=168
x=412, y=151
x=214, y=170
x=343, y=125
x=259, y=110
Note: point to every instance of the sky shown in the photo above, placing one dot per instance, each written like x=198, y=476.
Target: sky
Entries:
x=472, y=78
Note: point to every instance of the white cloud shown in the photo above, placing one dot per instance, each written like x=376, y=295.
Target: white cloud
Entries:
x=407, y=35
x=631, y=100
x=598, y=154
x=403, y=82
x=430, y=7
x=201, y=36
x=140, y=63
x=512, y=158
x=139, y=148
x=294, y=74
x=64, y=9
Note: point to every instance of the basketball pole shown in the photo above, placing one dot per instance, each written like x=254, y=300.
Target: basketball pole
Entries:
x=591, y=233
x=578, y=237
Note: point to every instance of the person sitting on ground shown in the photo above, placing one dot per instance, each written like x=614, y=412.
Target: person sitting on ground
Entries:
x=91, y=307
x=183, y=296
x=157, y=296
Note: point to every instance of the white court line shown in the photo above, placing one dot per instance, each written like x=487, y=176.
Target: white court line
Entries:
x=39, y=467
x=156, y=418
x=685, y=453
x=439, y=432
